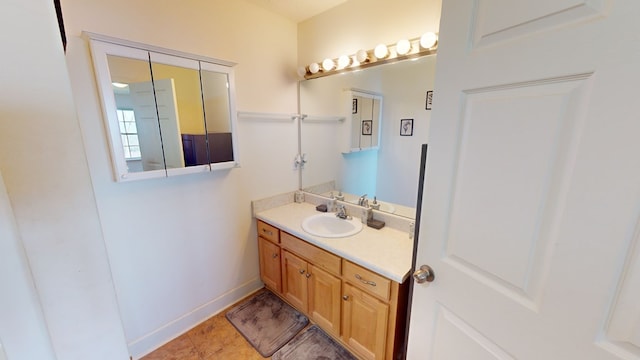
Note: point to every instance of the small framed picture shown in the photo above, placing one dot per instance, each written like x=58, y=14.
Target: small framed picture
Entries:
x=354, y=106
x=429, y=100
x=366, y=127
x=406, y=127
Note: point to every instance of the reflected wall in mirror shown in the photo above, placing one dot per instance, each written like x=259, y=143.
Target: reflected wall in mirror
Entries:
x=391, y=173
x=167, y=113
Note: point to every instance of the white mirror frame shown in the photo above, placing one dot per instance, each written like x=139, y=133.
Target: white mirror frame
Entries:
x=101, y=46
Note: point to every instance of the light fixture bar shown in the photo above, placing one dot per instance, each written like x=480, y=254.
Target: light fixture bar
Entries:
x=364, y=59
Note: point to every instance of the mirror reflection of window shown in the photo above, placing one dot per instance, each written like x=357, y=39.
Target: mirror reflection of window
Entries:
x=132, y=89
x=129, y=134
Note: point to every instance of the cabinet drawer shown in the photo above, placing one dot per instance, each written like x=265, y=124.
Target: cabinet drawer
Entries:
x=268, y=232
x=367, y=280
x=314, y=255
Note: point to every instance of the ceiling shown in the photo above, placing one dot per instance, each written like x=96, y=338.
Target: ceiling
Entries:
x=297, y=10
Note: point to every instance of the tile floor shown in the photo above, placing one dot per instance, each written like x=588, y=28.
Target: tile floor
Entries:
x=215, y=338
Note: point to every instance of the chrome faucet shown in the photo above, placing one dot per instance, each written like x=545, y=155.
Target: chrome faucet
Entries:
x=342, y=212
x=362, y=201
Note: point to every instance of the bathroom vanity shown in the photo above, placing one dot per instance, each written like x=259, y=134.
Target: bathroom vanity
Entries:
x=353, y=287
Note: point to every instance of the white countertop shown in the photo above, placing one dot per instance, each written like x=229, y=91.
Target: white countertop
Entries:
x=386, y=251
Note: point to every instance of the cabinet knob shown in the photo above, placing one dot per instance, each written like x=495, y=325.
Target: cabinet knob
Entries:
x=345, y=297
x=308, y=275
x=301, y=271
x=274, y=256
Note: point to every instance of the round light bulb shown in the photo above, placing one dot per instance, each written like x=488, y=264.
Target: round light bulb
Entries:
x=403, y=47
x=428, y=40
x=328, y=64
x=362, y=56
x=381, y=51
x=314, y=68
x=343, y=61
x=302, y=71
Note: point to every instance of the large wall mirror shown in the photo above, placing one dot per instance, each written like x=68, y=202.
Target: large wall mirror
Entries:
x=389, y=172
x=167, y=113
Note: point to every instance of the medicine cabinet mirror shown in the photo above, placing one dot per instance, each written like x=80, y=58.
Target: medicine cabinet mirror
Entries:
x=167, y=113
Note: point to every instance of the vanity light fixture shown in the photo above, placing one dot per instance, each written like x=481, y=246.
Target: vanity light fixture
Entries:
x=314, y=68
x=362, y=56
x=403, y=47
x=328, y=64
x=381, y=51
x=424, y=45
x=119, y=85
x=343, y=62
x=428, y=40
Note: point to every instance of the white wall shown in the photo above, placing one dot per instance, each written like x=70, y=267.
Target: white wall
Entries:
x=183, y=248
x=405, y=91
x=22, y=329
x=43, y=163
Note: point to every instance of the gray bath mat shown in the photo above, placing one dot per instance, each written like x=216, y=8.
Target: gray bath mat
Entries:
x=312, y=344
x=266, y=322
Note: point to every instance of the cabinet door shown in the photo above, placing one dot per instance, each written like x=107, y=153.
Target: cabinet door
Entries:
x=294, y=284
x=364, y=323
x=270, y=270
x=324, y=299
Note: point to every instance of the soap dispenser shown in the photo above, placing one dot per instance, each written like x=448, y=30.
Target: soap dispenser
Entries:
x=331, y=204
x=375, y=205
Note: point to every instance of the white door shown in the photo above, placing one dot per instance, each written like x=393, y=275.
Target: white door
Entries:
x=531, y=207
x=144, y=108
x=160, y=141
x=169, y=123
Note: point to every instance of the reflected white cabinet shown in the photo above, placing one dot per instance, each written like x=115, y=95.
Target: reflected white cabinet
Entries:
x=365, y=120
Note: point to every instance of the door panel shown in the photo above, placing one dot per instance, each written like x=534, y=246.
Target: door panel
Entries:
x=622, y=334
x=455, y=339
x=491, y=24
x=523, y=133
x=294, y=282
x=270, y=264
x=324, y=299
x=364, y=325
x=531, y=200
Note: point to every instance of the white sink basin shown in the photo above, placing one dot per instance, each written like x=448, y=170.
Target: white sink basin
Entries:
x=329, y=226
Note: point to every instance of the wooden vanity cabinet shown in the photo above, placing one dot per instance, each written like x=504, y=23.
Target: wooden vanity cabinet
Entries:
x=374, y=313
x=312, y=283
x=364, y=323
x=363, y=310
x=269, y=254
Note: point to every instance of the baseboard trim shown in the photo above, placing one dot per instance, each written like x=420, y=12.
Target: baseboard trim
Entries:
x=147, y=343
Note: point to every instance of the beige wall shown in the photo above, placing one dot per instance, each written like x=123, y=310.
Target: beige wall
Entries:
x=362, y=24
